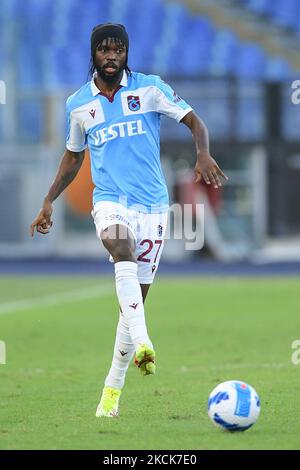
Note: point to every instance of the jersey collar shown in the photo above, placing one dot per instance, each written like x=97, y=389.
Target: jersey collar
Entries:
x=95, y=89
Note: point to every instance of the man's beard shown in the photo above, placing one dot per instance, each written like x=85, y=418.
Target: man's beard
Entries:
x=109, y=77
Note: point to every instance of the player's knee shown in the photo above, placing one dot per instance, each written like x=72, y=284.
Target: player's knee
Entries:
x=120, y=250
x=119, y=243
x=123, y=252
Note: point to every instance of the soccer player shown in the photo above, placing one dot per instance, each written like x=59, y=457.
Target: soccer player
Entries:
x=117, y=115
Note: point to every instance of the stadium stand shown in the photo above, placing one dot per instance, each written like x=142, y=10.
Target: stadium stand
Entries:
x=49, y=41
x=52, y=40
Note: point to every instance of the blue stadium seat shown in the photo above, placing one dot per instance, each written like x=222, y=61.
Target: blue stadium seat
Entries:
x=260, y=6
x=144, y=28
x=30, y=121
x=277, y=69
x=281, y=12
x=250, y=62
x=190, y=53
x=285, y=12
x=224, y=53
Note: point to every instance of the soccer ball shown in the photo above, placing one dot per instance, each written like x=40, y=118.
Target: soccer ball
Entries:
x=233, y=406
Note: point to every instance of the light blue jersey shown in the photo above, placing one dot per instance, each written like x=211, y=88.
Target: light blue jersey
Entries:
x=122, y=134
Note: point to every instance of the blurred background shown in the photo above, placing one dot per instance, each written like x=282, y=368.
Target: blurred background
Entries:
x=234, y=61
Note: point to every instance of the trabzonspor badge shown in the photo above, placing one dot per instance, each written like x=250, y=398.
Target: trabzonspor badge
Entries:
x=133, y=102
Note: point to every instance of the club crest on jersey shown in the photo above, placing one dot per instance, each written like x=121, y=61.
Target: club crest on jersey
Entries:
x=176, y=98
x=133, y=102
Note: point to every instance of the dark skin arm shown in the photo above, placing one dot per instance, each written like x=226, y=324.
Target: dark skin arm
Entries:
x=68, y=169
x=206, y=167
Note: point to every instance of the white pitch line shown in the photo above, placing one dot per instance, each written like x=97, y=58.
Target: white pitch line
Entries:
x=58, y=298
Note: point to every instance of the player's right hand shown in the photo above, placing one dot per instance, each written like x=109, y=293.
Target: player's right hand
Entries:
x=42, y=222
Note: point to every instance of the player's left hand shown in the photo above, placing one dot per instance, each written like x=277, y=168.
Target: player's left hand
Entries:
x=207, y=168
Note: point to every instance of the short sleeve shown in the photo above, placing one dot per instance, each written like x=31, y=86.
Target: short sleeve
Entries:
x=76, y=140
x=169, y=103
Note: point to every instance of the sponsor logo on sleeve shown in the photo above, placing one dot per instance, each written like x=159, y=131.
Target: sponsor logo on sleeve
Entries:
x=176, y=98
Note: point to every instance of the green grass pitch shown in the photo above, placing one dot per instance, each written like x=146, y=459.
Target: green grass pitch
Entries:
x=205, y=331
